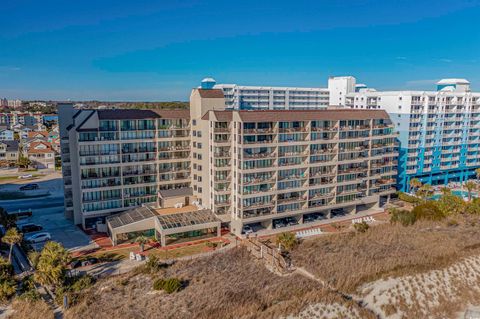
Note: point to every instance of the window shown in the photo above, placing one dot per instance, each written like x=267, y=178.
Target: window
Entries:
x=199, y=133
x=199, y=145
x=194, y=122
x=199, y=189
x=199, y=167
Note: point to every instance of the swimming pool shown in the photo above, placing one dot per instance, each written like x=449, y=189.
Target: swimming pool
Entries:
x=456, y=192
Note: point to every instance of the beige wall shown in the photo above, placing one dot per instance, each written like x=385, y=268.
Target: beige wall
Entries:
x=201, y=178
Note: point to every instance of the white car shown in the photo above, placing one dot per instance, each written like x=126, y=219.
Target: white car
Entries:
x=25, y=176
x=38, y=237
x=247, y=229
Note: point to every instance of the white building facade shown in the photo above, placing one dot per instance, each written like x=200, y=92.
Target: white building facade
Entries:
x=439, y=131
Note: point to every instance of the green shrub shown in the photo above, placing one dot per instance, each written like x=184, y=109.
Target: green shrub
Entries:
x=404, y=217
x=30, y=295
x=408, y=198
x=428, y=211
x=473, y=207
x=287, y=241
x=361, y=227
x=450, y=204
x=153, y=264
x=81, y=283
x=7, y=289
x=169, y=285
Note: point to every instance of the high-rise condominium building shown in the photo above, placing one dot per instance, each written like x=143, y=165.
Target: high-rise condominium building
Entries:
x=439, y=131
x=263, y=168
x=242, y=97
x=116, y=159
x=270, y=168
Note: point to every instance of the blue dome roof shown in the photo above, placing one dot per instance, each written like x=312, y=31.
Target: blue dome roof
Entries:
x=208, y=83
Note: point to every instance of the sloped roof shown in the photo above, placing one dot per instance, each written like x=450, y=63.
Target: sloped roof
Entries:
x=131, y=216
x=12, y=146
x=32, y=149
x=299, y=115
x=211, y=94
x=134, y=114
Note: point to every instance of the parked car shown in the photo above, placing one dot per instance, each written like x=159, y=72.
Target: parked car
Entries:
x=29, y=187
x=75, y=264
x=291, y=221
x=309, y=218
x=38, y=237
x=25, y=176
x=279, y=224
x=29, y=228
x=247, y=229
x=89, y=261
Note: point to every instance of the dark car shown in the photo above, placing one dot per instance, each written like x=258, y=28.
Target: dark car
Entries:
x=89, y=261
x=75, y=264
x=29, y=187
x=30, y=228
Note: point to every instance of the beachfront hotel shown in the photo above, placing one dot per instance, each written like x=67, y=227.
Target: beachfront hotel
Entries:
x=439, y=131
x=188, y=173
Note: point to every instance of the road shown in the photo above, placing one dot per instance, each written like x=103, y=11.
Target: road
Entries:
x=49, y=213
x=34, y=203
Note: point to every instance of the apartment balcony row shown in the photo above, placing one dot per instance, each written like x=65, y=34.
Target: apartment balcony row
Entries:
x=222, y=155
x=174, y=169
x=259, y=155
x=253, y=181
x=174, y=148
x=138, y=172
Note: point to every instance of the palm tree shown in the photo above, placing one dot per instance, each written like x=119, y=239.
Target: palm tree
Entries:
x=415, y=183
x=424, y=191
x=12, y=237
x=141, y=241
x=286, y=240
x=470, y=186
x=51, y=266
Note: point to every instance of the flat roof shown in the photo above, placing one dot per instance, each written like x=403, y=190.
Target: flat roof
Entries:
x=177, y=192
x=198, y=217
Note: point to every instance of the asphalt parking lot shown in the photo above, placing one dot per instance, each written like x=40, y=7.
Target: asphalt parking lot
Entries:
x=48, y=212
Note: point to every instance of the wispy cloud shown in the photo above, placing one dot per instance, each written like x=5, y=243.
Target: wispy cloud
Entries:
x=445, y=60
x=402, y=58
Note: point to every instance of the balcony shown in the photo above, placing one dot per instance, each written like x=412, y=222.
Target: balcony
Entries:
x=221, y=130
x=259, y=155
x=222, y=155
x=293, y=130
x=258, y=131
x=291, y=199
x=259, y=204
x=325, y=129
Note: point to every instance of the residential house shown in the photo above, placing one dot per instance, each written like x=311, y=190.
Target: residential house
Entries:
x=6, y=135
x=41, y=154
x=8, y=152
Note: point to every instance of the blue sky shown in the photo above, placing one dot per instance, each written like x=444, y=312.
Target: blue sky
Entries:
x=158, y=50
